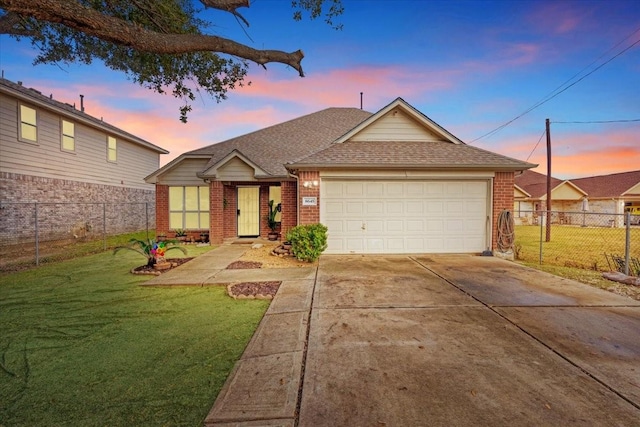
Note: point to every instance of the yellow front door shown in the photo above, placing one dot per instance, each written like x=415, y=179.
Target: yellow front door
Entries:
x=248, y=211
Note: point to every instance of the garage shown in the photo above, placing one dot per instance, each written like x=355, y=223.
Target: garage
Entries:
x=405, y=216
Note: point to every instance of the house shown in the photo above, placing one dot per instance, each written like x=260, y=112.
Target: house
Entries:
x=389, y=182
x=530, y=198
x=612, y=194
x=52, y=153
x=604, y=194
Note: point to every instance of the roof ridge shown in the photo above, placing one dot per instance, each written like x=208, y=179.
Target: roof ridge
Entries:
x=70, y=109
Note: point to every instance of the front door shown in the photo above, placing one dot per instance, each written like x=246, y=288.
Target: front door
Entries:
x=248, y=211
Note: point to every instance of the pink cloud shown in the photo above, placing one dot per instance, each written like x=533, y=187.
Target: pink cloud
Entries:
x=342, y=87
x=577, y=154
x=559, y=17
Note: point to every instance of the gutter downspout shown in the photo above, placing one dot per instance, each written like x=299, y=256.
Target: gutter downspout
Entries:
x=297, y=178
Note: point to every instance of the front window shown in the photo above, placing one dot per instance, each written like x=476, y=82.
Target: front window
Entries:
x=112, y=152
x=189, y=208
x=68, y=139
x=28, y=124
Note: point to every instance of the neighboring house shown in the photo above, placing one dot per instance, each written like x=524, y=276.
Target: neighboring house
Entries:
x=605, y=194
x=51, y=152
x=389, y=182
x=530, y=197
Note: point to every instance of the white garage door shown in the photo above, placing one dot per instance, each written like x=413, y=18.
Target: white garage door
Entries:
x=405, y=216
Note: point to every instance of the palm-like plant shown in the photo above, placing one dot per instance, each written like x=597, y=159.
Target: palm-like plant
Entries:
x=150, y=249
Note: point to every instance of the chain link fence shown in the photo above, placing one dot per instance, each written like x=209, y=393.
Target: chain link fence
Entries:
x=33, y=233
x=585, y=240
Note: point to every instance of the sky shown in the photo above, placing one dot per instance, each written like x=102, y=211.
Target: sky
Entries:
x=470, y=66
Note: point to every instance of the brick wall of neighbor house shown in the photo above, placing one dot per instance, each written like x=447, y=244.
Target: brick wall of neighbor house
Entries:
x=65, y=207
x=216, y=204
x=309, y=214
x=502, y=200
x=289, y=217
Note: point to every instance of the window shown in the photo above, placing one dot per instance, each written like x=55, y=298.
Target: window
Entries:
x=67, y=138
x=112, y=154
x=189, y=208
x=28, y=124
x=275, y=194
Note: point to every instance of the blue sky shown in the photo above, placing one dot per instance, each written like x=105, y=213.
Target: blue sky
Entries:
x=471, y=66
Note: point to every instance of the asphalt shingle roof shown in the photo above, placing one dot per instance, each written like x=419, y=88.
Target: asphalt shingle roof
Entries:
x=535, y=183
x=410, y=154
x=272, y=147
x=612, y=185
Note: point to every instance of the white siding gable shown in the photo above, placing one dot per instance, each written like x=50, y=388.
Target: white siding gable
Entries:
x=184, y=173
x=396, y=125
x=235, y=170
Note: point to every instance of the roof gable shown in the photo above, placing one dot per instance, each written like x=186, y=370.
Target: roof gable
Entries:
x=398, y=121
x=235, y=166
x=519, y=192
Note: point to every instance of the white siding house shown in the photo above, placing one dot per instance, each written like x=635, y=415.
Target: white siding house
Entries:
x=51, y=152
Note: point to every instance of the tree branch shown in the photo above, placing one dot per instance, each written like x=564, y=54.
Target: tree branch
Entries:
x=10, y=23
x=93, y=23
x=230, y=6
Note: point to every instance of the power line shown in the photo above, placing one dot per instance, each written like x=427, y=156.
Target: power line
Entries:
x=536, y=146
x=602, y=121
x=557, y=91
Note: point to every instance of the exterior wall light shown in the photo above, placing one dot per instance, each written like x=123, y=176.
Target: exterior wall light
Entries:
x=309, y=184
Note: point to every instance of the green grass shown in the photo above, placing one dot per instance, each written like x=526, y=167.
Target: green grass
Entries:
x=82, y=344
x=572, y=246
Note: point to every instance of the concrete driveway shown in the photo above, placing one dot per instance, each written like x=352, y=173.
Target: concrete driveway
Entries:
x=461, y=340
x=436, y=341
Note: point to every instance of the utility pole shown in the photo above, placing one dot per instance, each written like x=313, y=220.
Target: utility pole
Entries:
x=548, y=236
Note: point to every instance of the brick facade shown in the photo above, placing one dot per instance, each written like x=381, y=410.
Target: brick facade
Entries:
x=70, y=209
x=289, y=217
x=502, y=200
x=309, y=214
x=223, y=204
x=217, y=208
x=162, y=209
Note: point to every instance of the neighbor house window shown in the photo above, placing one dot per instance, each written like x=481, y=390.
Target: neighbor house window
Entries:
x=112, y=153
x=28, y=124
x=275, y=194
x=189, y=208
x=68, y=139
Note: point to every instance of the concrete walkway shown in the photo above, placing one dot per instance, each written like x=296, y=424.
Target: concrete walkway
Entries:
x=430, y=341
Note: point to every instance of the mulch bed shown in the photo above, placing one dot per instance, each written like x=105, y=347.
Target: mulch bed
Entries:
x=244, y=265
x=251, y=290
x=145, y=269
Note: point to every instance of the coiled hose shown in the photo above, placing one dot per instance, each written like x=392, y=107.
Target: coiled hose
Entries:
x=506, y=233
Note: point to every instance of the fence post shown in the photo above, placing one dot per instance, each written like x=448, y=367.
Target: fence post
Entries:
x=146, y=215
x=35, y=206
x=627, y=244
x=541, y=226
x=104, y=226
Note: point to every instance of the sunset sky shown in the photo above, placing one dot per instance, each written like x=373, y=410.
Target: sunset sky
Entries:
x=471, y=66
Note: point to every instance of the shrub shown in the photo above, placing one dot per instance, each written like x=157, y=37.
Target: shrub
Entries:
x=308, y=241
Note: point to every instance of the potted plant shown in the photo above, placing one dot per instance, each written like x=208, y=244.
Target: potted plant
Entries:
x=161, y=237
x=181, y=235
x=271, y=221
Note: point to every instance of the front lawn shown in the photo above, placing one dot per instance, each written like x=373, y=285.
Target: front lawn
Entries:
x=82, y=344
